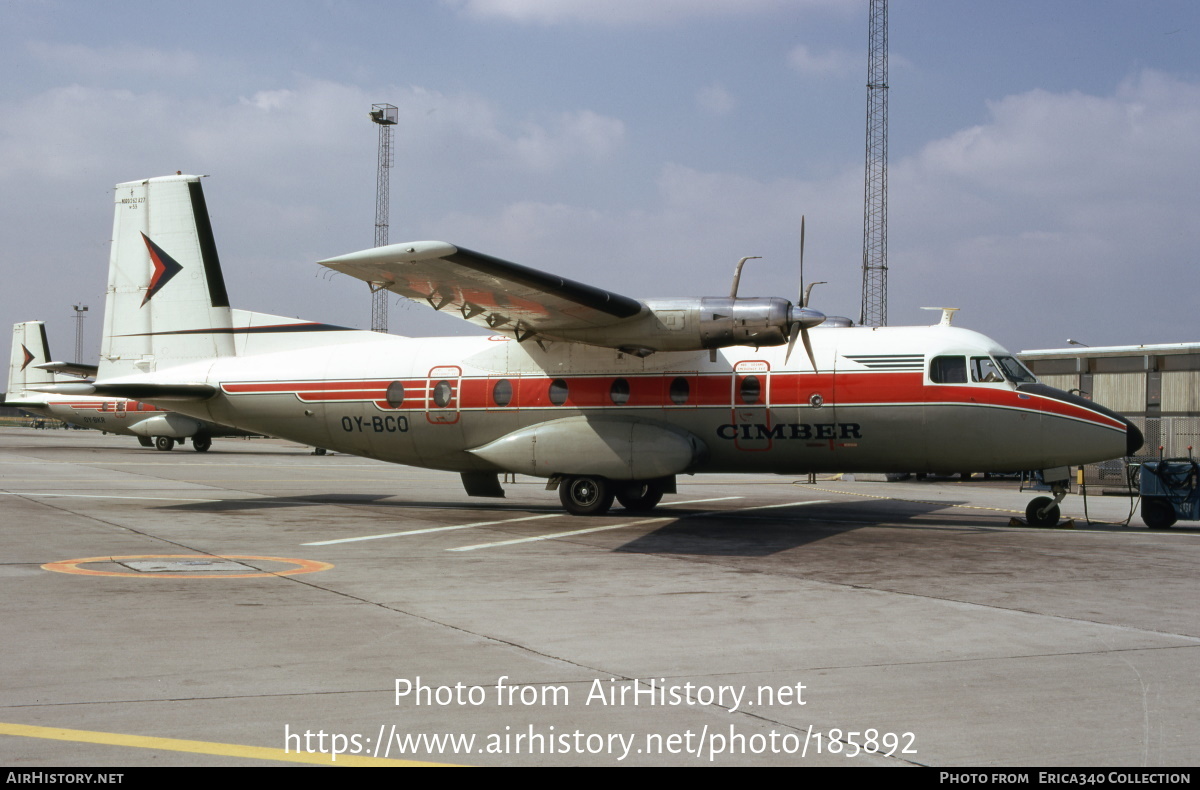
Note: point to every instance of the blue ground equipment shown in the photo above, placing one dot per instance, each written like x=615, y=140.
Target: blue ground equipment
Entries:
x=1169, y=489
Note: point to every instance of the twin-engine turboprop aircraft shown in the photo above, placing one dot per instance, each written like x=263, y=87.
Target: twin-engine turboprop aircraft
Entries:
x=602, y=394
x=30, y=368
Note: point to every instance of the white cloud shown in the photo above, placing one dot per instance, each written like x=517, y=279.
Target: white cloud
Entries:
x=715, y=99
x=626, y=12
x=833, y=63
x=124, y=59
x=1058, y=199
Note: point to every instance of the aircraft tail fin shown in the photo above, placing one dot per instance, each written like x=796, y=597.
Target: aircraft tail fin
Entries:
x=166, y=302
x=29, y=348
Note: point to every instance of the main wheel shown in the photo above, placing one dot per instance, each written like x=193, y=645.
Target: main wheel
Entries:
x=639, y=495
x=1050, y=519
x=1158, y=513
x=145, y=441
x=163, y=442
x=201, y=442
x=586, y=496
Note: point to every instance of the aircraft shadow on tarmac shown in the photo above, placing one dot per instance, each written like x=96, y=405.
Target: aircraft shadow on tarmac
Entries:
x=691, y=531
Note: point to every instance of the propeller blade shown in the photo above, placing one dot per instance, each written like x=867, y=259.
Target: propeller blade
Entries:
x=803, y=296
x=808, y=347
x=793, y=333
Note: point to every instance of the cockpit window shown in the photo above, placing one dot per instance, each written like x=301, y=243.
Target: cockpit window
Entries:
x=948, y=370
x=1015, y=371
x=985, y=371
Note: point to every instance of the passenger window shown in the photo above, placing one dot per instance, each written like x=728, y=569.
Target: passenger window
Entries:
x=618, y=393
x=558, y=392
x=750, y=390
x=502, y=393
x=395, y=394
x=680, y=391
x=948, y=370
x=442, y=393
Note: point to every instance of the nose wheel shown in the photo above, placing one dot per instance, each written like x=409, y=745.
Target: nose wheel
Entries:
x=1043, y=511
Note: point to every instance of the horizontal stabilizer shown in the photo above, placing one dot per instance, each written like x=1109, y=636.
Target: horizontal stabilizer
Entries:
x=70, y=368
x=135, y=390
x=25, y=403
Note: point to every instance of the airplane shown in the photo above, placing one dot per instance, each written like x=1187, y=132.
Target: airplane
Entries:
x=30, y=367
x=606, y=396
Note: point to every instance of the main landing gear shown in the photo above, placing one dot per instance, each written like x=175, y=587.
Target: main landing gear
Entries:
x=592, y=495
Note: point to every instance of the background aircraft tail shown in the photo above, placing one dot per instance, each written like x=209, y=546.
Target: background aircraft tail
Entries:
x=29, y=348
x=166, y=303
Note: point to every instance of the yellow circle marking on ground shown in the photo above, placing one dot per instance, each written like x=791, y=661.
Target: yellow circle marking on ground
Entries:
x=72, y=566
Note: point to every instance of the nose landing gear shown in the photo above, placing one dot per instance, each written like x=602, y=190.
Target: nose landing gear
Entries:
x=1043, y=511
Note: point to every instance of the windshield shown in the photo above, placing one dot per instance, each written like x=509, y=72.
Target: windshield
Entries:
x=1015, y=371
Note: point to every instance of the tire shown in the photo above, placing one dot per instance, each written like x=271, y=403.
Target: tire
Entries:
x=1158, y=513
x=640, y=496
x=145, y=441
x=318, y=451
x=201, y=443
x=163, y=443
x=586, y=496
x=1031, y=513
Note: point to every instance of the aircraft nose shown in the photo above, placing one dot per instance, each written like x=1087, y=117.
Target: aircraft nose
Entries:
x=1133, y=438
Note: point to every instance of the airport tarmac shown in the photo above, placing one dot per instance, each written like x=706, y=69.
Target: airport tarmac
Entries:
x=239, y=606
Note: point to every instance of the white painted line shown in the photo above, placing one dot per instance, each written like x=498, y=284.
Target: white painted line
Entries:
x=698, y=501
x=560, y=534
x=430, y=529
x=107, y=496
x=633, y=524
x=476, y=524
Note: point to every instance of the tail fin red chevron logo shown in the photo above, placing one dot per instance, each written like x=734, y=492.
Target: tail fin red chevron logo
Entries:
x=165, y=267
x=28, y=357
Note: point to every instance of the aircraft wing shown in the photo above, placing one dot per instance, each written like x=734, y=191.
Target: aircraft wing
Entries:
x=505, y=297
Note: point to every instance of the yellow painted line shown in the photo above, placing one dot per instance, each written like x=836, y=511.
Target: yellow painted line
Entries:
x=202, y=747
x=72, y=566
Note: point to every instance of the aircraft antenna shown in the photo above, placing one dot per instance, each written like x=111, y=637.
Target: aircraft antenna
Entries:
x=385, y=116
x=874, y=294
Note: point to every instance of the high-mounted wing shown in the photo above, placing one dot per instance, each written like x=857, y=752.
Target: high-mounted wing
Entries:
x=525, y=303
x=503, y=296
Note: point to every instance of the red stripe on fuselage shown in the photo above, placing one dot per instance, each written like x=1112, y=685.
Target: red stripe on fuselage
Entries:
x=779, y=390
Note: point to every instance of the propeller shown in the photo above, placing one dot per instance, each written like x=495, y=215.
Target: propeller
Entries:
x=800, y=316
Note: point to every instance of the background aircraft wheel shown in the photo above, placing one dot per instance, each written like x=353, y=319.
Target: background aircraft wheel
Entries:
x=639, y=495
x=1048, y=520
x=163, y=442
x=318, y=451
x=1157, y=513
x=586, y=496
x=201, y=443
x=145, y=441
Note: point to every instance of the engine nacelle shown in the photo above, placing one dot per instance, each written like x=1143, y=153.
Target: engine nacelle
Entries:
x=171, y=424
x=701, y=323
x=616, y=448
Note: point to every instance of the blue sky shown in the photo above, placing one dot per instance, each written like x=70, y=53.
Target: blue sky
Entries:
x=1044, y=156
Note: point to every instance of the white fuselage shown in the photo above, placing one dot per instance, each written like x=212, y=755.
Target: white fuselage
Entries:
x=871, y=406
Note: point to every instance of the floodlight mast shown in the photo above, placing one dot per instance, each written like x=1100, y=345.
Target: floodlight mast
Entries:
x=874, y=292
x=385, y=116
